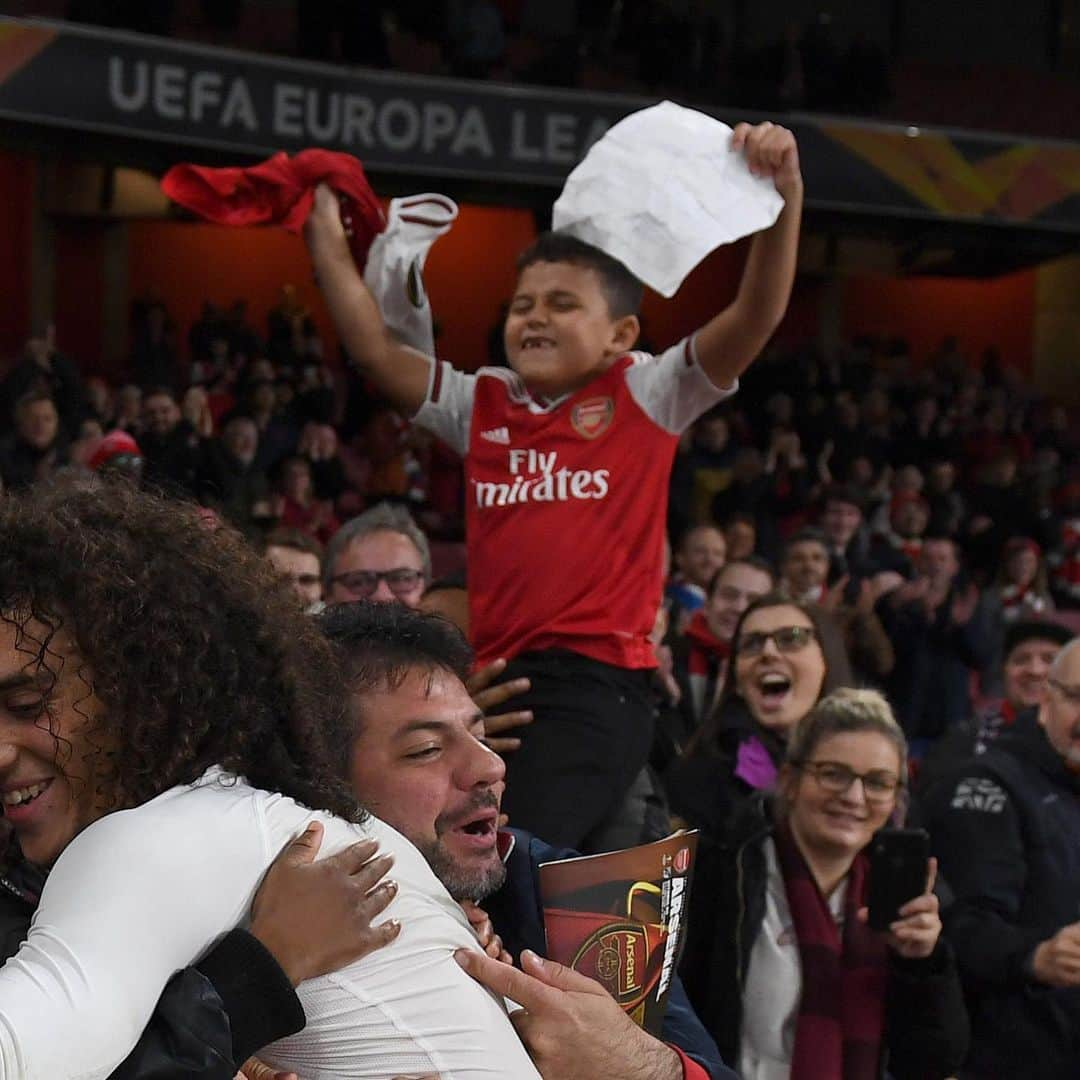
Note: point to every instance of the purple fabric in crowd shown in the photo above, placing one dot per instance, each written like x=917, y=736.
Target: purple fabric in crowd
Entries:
x=753, y=764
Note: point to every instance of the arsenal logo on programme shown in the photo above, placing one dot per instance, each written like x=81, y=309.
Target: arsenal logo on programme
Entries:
x=593, y=416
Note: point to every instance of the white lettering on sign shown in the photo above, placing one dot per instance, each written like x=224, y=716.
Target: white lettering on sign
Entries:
x=289, y=110
x=172, y=92
x=313, y=115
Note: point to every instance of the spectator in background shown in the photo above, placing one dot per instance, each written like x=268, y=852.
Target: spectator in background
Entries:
x=154, y=360
x=740, y=534
x=129, y=409
x=45, y=370
x=449, y=597
x=784, y=658
x=37, y=447
x=948, y=509
x=1030, y=649
x=278, y=436
x=701, y=658
x=297, y=507
x=841, y=521
x=1007, y=833
x=381, y=555
x=170, y=445
x=804, y=570
x=700, y=554
x=233, y=481
x=1021, y=583
x=477, y=37
x=779, y=962
x=319, y=445
x=297, y=557
x=702, y=470
x=943, y=636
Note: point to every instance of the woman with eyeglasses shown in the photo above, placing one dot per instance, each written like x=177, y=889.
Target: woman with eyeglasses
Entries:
x=785, y=656
x=780, y=963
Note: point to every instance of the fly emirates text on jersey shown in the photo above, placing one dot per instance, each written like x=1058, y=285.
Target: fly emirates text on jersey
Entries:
x=535, y=477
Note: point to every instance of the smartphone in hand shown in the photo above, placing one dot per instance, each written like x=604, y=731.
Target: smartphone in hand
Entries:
x=899, y=864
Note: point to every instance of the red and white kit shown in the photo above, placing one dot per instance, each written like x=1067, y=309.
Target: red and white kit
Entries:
x=567, y=500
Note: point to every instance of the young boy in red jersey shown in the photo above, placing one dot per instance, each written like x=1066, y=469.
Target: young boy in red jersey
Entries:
x=568, y=457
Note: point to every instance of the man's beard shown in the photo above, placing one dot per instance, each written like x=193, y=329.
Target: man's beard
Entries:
x=462, y=883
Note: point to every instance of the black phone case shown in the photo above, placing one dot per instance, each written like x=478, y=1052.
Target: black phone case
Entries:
x=898, y=868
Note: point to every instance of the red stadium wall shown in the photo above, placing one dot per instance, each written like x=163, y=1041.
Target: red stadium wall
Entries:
x=998, y=311
x=470, y=272
x=186, y=264
x=80, y=294
x=17, y=178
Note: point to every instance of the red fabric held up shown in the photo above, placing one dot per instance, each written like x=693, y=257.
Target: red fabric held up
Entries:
x=280, y=191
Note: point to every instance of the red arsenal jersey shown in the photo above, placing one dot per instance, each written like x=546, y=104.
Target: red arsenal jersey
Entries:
x=566, y=502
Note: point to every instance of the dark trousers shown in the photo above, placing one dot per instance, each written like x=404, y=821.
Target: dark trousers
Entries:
x=590, y=738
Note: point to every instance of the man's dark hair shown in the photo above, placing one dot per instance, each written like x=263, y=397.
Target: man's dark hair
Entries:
x=621, y=289
x=196, y=650
x=160, y=391
x=294, y=540
x=844, y=493
x=806, y=535
x=379, y=645
x=755, y=562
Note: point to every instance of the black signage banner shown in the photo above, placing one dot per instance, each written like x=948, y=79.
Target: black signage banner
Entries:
x=196, y=96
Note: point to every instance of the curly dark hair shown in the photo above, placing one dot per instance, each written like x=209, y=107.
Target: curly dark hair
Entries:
x=197, y=652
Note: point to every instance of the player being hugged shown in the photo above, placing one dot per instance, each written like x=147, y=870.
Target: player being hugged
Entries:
x=568, y=457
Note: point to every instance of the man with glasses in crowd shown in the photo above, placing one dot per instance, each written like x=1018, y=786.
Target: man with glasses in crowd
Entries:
x=381, y=555
x=1007, y=833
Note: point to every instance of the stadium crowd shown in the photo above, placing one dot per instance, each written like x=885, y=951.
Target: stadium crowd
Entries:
x=226, y=565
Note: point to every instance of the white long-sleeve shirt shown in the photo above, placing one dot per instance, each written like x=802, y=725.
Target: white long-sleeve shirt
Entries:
x=143, y=893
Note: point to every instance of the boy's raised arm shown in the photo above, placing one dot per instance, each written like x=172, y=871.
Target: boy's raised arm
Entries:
x=728, y=343
x=401, y=373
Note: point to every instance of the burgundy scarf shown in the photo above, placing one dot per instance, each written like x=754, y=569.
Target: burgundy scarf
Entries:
x=841, y=1018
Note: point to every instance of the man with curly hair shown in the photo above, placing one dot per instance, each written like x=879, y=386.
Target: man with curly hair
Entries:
x=169, y=720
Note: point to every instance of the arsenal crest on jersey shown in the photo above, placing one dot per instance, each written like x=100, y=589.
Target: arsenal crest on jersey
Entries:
x=593, y=416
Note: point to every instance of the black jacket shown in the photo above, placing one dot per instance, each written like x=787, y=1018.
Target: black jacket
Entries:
x=926, y=1025
x=209, y=1019
x=1006, y=829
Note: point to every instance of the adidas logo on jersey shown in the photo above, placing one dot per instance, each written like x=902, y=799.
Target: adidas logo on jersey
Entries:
x=500, y=435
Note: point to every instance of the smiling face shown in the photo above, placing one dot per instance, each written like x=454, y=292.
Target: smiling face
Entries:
x=421, y=766
x=559, y=331
x=701, y=554
x=840, y=522
x=1022, y=566
x=840, y=824
x=47, y=748
x=1026, y=668
x=381, y=551
x=806, y=567
x=779, y=688
x=736, y=589
x=1059, y=714
x=160, y=414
